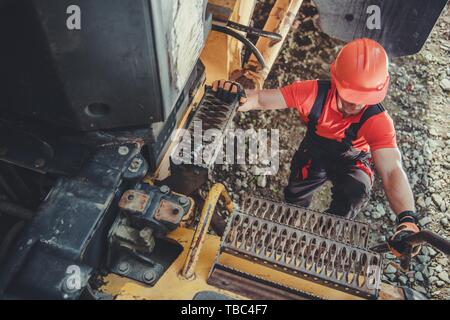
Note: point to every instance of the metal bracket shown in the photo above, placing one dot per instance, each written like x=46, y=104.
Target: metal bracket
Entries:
x=137, y=247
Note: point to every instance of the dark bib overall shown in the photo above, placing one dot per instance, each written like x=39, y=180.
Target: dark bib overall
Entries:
x=320, y=159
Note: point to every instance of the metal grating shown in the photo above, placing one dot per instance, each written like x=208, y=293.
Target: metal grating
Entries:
x=332, y=263
x=211, y=114
x=325, y=225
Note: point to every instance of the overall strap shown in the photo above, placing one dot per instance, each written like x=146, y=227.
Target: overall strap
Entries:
x=352, y=132
x=316, y=111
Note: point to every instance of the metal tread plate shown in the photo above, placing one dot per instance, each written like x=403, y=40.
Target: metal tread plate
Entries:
x=210, y=121
x=329, y=226
x=335, y=264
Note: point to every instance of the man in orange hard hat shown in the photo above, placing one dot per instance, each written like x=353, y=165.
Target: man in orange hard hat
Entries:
x=349, y=131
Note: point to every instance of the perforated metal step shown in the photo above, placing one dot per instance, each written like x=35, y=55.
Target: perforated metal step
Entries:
x=325, y=225
x=307, y=255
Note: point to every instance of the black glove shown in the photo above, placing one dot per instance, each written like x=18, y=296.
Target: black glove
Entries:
x=229, y=91
x=407, y=224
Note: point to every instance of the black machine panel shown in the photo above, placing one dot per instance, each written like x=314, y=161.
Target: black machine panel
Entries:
x=103, y=64
x=401, y=26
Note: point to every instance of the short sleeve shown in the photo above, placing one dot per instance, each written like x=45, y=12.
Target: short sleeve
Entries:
x=300, y=95
x=379, y=132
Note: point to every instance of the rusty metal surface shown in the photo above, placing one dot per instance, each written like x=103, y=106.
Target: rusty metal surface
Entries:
x=253, y=287
x=290, y=250
x=134, y=201
x=169, y=212
x=325, y=225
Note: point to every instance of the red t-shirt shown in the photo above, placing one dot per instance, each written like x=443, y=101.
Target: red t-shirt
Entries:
x=377, y=133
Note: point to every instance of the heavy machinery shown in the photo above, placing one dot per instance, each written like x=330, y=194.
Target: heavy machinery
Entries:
x=94, y=201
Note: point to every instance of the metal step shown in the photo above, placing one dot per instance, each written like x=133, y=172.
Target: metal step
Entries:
x=307, y=255
x=325, y=225
x=211, y=114
x=193, y=159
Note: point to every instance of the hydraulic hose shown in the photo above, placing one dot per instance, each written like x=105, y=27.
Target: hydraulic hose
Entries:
x=242, y=39
x=254, y=31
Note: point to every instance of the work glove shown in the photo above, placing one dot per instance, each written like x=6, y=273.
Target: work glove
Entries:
x=407, y=224
x=228, y=91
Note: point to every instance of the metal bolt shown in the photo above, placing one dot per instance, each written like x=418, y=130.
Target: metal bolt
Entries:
x=135, y=165
x=183, y=201
x=124, y=267
x=124, y=150
x=39, y=163
x=164, y=189
x=148, y=276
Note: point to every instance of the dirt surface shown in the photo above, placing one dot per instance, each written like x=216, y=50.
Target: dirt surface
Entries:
x=418, y=103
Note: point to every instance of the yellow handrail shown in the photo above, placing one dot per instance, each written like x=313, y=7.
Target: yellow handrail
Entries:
x=217, y=191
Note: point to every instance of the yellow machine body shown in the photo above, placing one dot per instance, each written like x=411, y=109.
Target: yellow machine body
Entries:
x=222, y=57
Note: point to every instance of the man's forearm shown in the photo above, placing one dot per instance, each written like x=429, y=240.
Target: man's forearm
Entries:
x=267, y=99
x=398, y=191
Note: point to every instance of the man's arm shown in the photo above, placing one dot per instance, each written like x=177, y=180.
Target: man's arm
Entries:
x=268, y=99
x=388, y=163
x=271, y=99
x=398, y=190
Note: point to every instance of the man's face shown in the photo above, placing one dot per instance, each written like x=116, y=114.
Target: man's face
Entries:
x=348, y=108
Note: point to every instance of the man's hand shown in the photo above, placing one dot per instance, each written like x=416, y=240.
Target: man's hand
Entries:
x=228, y=90
x=407, y=225
x=267, y=99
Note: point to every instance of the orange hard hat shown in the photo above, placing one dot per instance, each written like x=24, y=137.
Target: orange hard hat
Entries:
x=361, y=72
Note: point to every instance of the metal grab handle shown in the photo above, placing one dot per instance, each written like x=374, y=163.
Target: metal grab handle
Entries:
x=423, y=237
x=217, y=191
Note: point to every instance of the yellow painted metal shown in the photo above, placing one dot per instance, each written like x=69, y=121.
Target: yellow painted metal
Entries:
x=172, y=286
x=216, y=192
x=220, y=55
x=280, y=21
x=285, y=279
x=242, y=15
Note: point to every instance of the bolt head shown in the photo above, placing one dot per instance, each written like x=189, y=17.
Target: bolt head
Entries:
x=124, y=150
x=164, y=189
x=136, y=164
x=183, y=201
x=148, y=276
x=124, y=267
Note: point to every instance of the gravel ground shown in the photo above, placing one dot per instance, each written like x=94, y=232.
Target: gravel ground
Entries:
x=418, y=103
